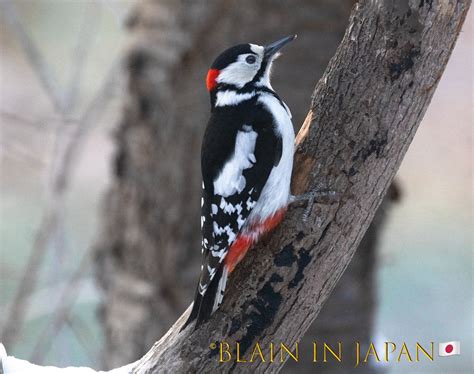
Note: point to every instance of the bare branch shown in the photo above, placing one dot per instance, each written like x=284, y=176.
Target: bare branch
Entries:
x=20, y=118
x=68, y=142
x=22, y=153
x=91, y=116
x=54, y=212
x=44, y=123
x=87, y=32
x=33, y=54
x=61, y=312
x=84, y=335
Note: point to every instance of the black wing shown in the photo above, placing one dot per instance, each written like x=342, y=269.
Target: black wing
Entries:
x=237, y=157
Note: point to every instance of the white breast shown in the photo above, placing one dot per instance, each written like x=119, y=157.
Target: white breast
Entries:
x=276, y=192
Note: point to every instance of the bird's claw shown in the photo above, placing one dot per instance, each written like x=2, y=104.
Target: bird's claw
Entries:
x=312, y=195
x=309, y=198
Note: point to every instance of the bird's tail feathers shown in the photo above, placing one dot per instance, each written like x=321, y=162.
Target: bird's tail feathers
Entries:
x=205, y=305
x=194, y=312
x=220, y=288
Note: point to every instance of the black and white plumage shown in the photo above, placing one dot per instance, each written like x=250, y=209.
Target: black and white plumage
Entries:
x=246, y=161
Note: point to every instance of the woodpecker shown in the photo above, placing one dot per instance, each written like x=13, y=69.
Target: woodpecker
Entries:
x=246, y=163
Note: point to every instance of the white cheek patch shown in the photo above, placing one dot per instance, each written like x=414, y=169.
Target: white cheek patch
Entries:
x=238, y=73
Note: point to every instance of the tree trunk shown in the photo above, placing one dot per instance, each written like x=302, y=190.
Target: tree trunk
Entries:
x=364, y=114
x=149, y=254
x=348, y=314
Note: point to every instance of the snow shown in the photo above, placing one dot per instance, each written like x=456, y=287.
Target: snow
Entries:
x=12, y=365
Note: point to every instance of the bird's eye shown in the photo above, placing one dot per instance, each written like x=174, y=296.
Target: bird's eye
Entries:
x=250, y=59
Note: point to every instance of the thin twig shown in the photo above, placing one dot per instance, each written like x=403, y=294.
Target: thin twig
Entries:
x=52, y=121
x=91, y=116
x=67, y=147
x=61, y=311
x=49, y=223
x=76, y=139
x=87, y=31
x=63, y=141
x=84, y=336
x=33, y=54
x=51, y=218
x=20, y=118
x=14, y=320
x=22, y=153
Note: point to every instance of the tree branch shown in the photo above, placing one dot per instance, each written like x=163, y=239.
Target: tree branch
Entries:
x=36, y=59
x=364, y=114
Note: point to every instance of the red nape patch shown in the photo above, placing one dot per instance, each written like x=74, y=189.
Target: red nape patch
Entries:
x=212, y=75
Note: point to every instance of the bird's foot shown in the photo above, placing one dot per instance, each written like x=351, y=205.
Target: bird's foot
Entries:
x=309, y=198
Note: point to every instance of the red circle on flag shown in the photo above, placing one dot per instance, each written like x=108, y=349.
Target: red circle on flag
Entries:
x=449, y=348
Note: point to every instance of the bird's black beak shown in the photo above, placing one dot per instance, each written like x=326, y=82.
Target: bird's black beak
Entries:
x=271, y=49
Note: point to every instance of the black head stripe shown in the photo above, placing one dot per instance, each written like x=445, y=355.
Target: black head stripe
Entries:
x=260, y=72
x=230, y=55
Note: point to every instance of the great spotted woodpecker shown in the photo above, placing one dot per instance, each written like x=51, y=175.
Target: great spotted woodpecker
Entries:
x=246, y=162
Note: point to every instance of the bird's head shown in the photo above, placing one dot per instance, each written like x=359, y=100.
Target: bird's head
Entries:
x=244, y=65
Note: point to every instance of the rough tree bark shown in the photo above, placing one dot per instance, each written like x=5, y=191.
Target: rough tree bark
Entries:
x=348, y=314
x=148, y=255
x=364, y=114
